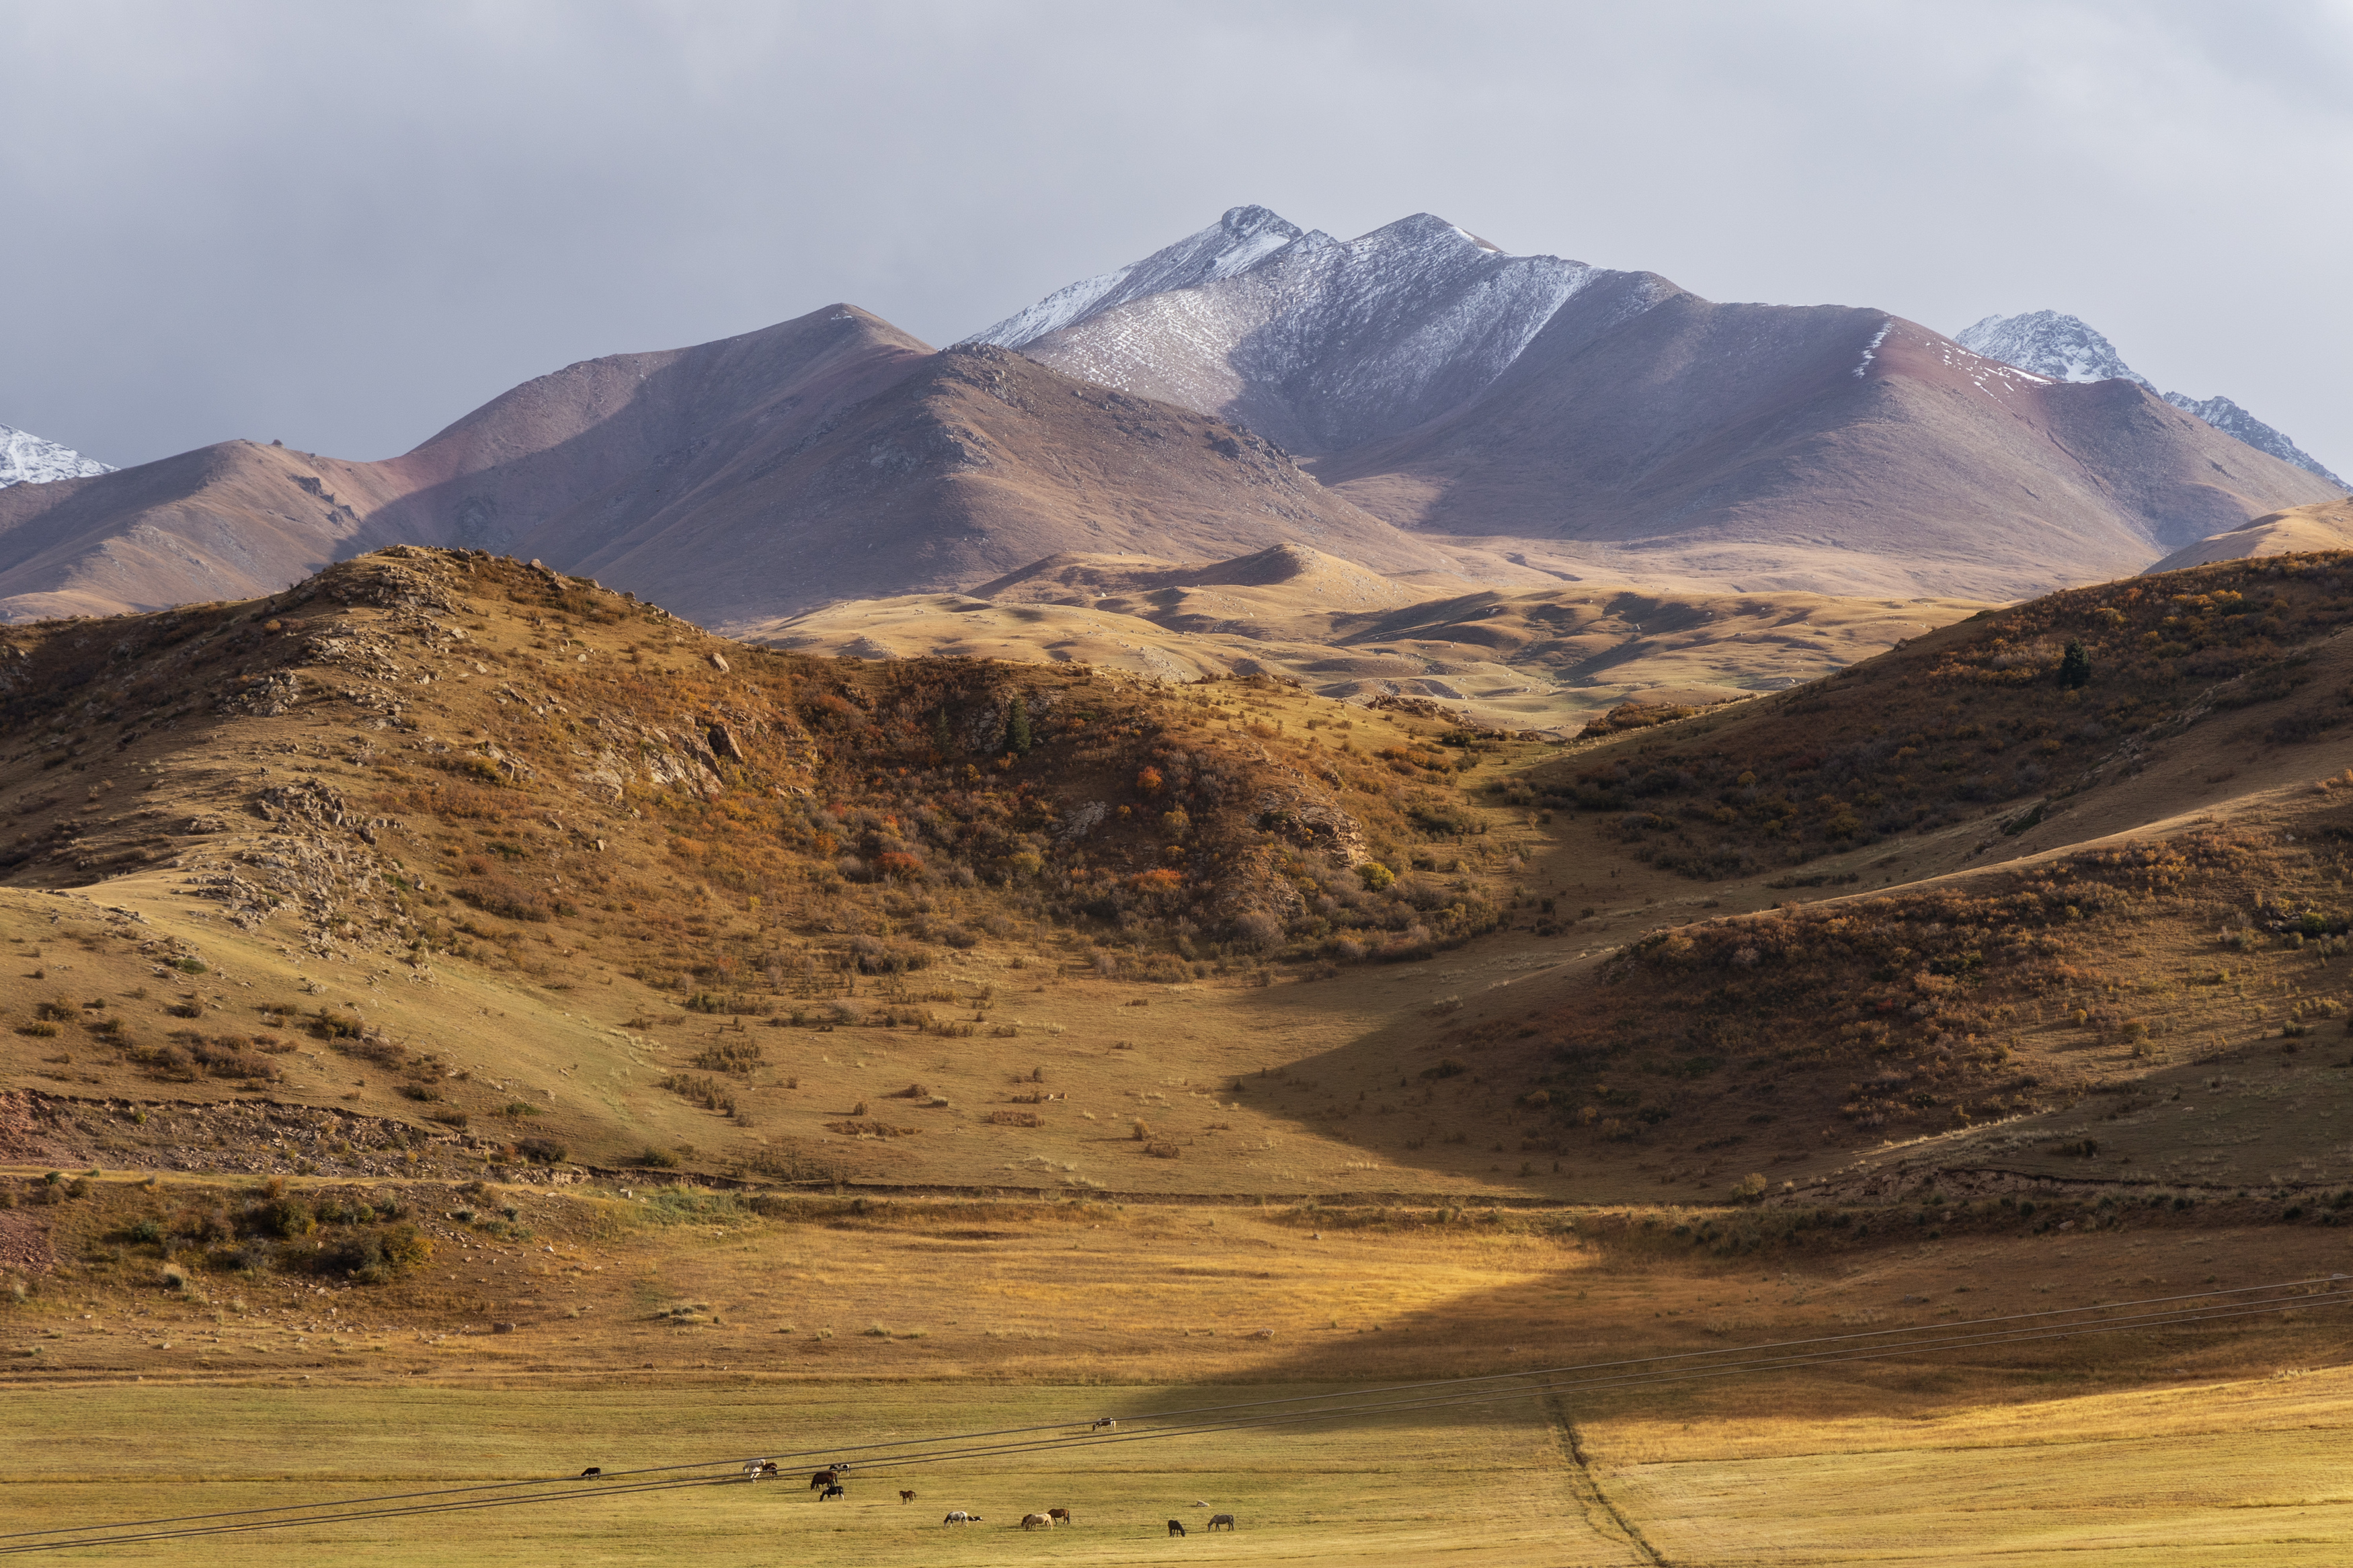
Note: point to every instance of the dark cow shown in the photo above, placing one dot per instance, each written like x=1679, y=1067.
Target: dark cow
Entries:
x=836, y=1490
x=592, y=1470
x=1176, y=1527
x=1217, y=1519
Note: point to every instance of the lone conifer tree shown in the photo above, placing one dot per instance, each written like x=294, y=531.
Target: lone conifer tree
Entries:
x=1017, y=728
x=940, y=731
x=2075, y=667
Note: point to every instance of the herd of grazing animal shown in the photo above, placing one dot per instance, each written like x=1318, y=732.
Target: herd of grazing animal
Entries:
x=832, y=1482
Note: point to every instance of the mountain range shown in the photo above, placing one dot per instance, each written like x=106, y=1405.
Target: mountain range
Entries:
x=1415, y=401
x=2065, y=348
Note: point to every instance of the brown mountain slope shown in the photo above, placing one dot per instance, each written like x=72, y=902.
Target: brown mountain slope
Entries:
x=239, y=519
x=1826, y=448
x=221, y=523
x=828, y=456
x=532, y=454
x=2325, y=525
x=976, y=463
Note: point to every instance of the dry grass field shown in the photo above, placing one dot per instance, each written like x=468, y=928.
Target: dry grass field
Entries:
x=678, y=1327
x=1541, y=658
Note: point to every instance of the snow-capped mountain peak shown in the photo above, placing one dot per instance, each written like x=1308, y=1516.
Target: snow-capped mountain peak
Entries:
x=2065, y=349
x=1236, y=242
x=2047, y=342
x=1315, y=342
x=26, y=459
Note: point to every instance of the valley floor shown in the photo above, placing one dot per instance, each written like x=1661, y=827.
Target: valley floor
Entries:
x=2197, y=1472
x=681, y=1326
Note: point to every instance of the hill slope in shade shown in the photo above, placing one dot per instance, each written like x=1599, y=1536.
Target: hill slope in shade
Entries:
x=2327, y=525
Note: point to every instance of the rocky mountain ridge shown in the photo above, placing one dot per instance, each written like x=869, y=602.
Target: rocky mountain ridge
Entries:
x=2066, y=348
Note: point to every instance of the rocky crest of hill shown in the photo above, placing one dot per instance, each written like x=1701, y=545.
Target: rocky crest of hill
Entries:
x=605, y=745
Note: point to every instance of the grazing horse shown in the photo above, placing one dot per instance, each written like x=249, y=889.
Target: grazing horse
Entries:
x=1035, y=1521
x=592, y=1470
x=1176, y=1527
x=754, y=1469
x=1103, y=1424
x=958, y=1516
x=906, y=1497
x=823, y=1478
x=1217, y=1519
x=1058, y=1515
x=836, y=1490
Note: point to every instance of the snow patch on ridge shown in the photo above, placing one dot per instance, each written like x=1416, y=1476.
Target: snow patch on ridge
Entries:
x=1871, y=349
x=1236, y=242
x=26, y=459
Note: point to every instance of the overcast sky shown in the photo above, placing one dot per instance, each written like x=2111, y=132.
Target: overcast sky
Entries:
x=343, y=226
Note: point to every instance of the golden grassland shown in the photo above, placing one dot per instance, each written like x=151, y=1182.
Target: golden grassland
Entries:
x=2208, y=1441
x=1551, y=658
x=709, y=1329
x=1396, y=1490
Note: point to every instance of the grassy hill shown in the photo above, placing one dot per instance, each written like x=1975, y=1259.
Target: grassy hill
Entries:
x=448, y=978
